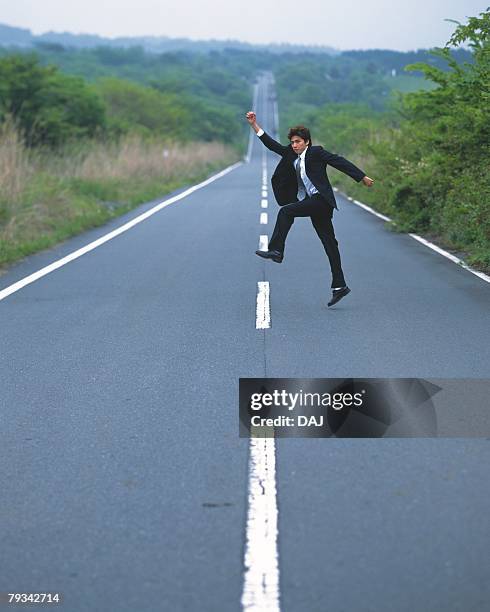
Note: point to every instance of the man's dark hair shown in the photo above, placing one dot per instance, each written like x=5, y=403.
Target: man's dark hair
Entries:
x=301, y=131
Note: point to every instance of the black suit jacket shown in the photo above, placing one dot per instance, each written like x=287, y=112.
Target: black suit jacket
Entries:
x=284, y=182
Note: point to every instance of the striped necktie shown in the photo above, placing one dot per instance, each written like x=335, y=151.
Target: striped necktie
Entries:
x=301, y=186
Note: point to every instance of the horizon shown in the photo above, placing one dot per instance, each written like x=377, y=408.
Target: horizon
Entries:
x=207, y=40
x=373, y=24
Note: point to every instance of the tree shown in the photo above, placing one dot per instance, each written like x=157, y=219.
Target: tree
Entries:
x=48, y=106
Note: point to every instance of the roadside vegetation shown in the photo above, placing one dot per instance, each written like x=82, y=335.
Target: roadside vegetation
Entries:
x=48, y=196
x=87, y=134
x=428, y=149
x=74, y=154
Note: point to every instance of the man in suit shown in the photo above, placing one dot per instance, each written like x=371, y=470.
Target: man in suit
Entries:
x=302, y=189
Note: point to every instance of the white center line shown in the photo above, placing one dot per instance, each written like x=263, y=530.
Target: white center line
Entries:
x=261, y=580
x=263, y=242
x=263, y=312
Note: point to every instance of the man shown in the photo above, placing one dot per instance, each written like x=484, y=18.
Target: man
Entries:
x=302, y=189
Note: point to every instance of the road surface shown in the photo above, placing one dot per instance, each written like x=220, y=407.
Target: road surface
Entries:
x=124, y=484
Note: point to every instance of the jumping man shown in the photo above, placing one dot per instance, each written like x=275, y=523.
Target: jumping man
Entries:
x=302, y=189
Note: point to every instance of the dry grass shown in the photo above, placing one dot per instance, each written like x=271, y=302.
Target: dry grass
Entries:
x=47, y=196
x=133, y=157
x=15, y=167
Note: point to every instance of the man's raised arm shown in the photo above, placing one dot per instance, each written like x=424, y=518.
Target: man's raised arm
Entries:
x=269, y=142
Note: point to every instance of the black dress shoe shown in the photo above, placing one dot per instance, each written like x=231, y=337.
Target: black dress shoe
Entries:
x=274, y=255
x=338, y=294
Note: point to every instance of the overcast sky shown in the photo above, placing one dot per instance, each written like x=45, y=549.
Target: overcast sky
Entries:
x=343, y=24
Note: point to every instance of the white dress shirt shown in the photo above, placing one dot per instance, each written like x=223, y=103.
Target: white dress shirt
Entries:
x=310, y=188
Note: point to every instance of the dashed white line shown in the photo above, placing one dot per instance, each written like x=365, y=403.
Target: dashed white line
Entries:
x=263, y=311
x=263, y=242
x=261, y=578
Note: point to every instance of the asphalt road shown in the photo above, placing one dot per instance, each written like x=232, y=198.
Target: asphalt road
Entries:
x=124, y=482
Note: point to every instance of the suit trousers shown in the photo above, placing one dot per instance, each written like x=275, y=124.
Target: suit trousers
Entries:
x=320, y=213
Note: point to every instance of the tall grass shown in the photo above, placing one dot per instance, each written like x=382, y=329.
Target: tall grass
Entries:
x=15, y=167
x=135, y=157
x=47, y=196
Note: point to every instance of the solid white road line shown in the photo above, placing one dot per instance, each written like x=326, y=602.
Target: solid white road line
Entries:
x=460, y=262
x=264, y=242
x=261, y=580
x=426, y=243
x=124, y=228
x=263, y=219
x=371, y=210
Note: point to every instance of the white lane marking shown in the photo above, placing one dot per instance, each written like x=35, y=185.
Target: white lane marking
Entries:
x=123, y=228
x=428, y=244
x=371, y=210
x=261, y=580
x=263, y=202
x=264, y=242
x=263, y=310
x=460, y=262
x=264, y=192
x=263, y=219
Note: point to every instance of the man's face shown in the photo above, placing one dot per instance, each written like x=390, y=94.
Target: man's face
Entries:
x=298, y=144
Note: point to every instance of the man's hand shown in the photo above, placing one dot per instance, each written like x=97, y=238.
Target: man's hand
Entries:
x=251, y=117
x=368, y=181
